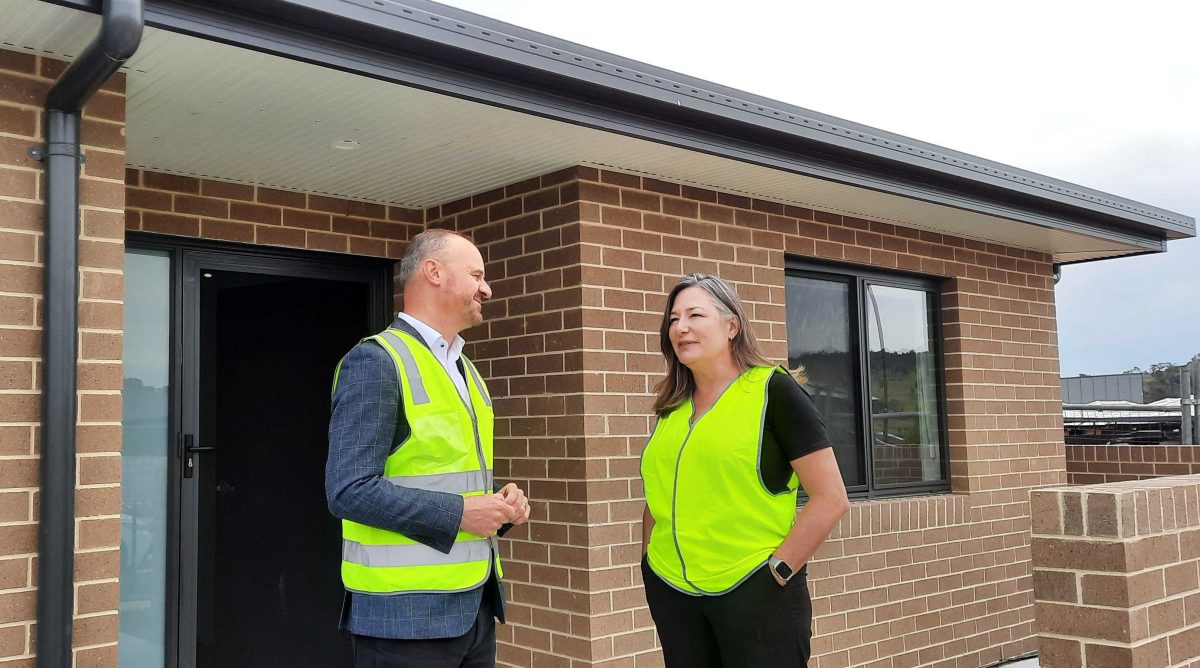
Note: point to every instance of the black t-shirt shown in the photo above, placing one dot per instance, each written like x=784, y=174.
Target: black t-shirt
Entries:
x=792, y=428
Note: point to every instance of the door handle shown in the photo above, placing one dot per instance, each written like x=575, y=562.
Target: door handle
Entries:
x=187, y=452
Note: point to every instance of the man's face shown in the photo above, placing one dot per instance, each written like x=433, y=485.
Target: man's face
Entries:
x=464, y=289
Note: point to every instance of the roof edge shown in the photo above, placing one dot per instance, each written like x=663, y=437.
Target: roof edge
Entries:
x=443, y=49
x=488, y=37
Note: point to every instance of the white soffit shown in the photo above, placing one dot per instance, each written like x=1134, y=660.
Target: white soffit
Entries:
x=207, y=109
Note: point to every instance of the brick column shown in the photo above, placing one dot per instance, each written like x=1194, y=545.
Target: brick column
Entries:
x=1117, y=573
x=24, y=82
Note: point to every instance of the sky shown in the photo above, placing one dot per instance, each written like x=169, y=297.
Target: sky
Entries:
x=1101, y=94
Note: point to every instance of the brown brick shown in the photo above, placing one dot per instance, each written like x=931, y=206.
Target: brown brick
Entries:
x=17, y=539
x=14, y=61
x=18, y=246
x=229, y=231
x=329, y=204
x=286, y=198
x=1079, y=554
x=1056, y=586
x=16, y=310
x=255, y=213
x=22, y=89
x=309, y=220
x=330, y=242
x=17, y=183
x=171, y=182
x=14, y=507
x=226, y=190
x=201, y=206
x=277, y=236
x=144, y=198
x=21, y=215
x=170, y=224
x=1099, y=623
x=95, y=630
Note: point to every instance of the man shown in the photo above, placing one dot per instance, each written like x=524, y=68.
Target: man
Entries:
x=410, y=474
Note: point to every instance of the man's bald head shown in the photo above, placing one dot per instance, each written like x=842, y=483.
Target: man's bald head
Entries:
x=428, y=245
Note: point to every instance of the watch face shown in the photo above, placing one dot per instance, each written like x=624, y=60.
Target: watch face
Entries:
x=783, y=569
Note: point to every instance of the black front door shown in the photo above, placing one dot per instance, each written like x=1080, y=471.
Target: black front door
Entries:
x=258, y=581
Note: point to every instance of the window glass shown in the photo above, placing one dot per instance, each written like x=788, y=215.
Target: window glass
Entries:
x=144, y=451
x=905, y=438
x=819, y=326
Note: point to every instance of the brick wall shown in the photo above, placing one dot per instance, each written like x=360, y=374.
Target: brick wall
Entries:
x=581, y=270
x=580, y=261
x=941, y=581
x=24, y=82
x=210, y=209
x=1091, y=464
x=1117, y=573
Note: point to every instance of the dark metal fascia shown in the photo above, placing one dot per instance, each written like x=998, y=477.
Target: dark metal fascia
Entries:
x=312, y=31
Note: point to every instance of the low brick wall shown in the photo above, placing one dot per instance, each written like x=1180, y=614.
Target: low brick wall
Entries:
x=1091, y=464
x=1117, y=573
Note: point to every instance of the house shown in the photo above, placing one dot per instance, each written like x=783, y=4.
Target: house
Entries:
x=251, y=176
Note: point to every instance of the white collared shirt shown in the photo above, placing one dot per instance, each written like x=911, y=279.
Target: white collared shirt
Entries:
x=446, y=352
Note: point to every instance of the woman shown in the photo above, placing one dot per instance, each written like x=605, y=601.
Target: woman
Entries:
x=725, y=548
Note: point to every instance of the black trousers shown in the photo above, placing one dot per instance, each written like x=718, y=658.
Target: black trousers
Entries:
x=757, y=624
x=474, y=649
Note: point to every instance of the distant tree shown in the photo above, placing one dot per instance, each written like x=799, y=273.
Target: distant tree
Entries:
x=1160, y=382
x=1136, y=369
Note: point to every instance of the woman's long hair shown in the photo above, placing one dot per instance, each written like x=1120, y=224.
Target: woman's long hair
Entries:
x=679, y=384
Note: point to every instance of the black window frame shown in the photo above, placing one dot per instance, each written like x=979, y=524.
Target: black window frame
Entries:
x=858, y=279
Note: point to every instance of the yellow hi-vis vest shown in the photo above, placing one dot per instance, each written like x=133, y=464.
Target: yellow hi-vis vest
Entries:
x=449, y=450
x=715, y=521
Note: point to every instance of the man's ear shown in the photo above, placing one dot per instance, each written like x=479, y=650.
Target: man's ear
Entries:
x=432, y=270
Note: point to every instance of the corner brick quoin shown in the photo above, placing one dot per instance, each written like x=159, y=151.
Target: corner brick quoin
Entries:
x=1117, y=573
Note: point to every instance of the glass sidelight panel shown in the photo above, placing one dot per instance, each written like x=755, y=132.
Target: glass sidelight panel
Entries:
x=144, y=458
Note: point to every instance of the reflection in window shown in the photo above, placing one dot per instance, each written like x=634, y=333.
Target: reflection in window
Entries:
x=144, y=450
x=819, y=338
x=904, y=416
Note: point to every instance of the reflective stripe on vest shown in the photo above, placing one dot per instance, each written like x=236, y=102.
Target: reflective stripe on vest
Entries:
x=701, y=547
x=414, y=554
x=395, y=345
x=455, y=483
x=487, y=399
x=449, y=450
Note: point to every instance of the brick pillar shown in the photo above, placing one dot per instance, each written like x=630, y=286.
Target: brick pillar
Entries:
x=1117, y=573
x=24, y=82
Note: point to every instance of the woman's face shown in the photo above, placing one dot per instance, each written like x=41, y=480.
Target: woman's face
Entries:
x=697, y=331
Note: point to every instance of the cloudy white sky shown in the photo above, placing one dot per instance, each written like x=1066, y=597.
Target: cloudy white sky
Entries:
x=1102, y=94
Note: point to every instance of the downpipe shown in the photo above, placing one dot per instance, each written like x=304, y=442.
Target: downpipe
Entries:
x=119, y=36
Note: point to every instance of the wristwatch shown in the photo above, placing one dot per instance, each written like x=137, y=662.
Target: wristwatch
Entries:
x=780, y=567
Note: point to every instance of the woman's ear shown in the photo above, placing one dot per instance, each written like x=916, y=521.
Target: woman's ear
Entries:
x=734, y=328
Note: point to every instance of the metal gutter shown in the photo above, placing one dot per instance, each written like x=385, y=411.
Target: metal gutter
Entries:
x=445, y=50
x=119, y=35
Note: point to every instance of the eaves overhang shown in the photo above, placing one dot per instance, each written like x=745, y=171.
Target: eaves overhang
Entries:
x=449, y=51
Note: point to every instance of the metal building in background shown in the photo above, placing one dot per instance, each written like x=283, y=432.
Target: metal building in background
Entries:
x=1112, y=387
